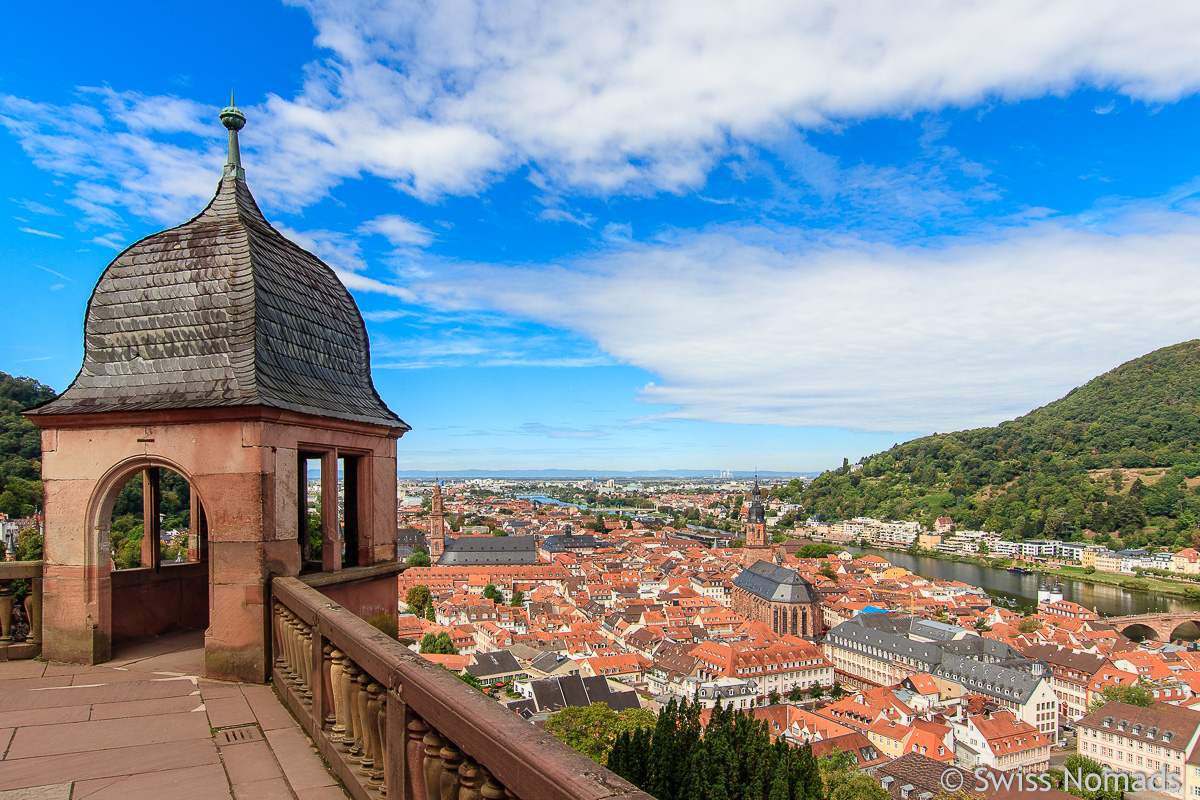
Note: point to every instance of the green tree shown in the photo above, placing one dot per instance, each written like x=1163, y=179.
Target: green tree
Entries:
x=518, y=599
x=1135, y=695
x=438, y=645
x=1029, y=625
x=418, y=599
x=418, y=559
x=29, y=545
x=773, y=698
x=490, y=592
x=837, y=690
x=816, y=691
x=593, y=730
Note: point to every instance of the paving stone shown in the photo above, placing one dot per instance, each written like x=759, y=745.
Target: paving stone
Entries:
x=270, y=713
x=100, y=735
x=87, y=694
x=334, y=792
x=249, y=762
x=271, y=789
x=296, y=755
x=225, y=712
x=43, y=716
x=143, y=708
x=112, y=763
x=24, y=669
x=52, y=791
x=196, y=783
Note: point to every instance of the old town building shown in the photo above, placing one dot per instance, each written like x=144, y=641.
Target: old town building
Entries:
x=779, y=598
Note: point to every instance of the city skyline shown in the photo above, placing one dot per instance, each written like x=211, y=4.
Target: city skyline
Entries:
x=644, y=240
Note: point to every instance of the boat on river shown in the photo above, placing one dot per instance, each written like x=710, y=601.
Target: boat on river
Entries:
x=1020, y=570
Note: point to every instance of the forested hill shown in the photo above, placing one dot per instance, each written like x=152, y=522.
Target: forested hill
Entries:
x=20, y=446
x=1119, y=455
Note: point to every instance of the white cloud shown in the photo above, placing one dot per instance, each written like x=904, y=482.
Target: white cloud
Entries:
x=619, y=95
x=748, y=325
x=602, y=97
x=398, y=230
x=37, y=232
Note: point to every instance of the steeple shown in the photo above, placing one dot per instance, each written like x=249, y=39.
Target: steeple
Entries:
x=234, y=120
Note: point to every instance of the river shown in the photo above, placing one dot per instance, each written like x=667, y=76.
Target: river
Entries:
x=1108, y=601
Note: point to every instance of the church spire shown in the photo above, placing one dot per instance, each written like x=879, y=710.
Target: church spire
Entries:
x=234, y=120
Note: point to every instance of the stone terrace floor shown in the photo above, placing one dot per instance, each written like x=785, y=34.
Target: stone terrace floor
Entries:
x=143, y=725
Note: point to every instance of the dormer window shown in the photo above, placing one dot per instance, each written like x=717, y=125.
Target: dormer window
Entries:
x=1108, y=721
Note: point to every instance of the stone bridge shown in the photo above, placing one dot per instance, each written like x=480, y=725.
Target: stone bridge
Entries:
x=1160, y=627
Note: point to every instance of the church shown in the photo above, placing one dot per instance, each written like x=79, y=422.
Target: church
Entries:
x=474, y=551
x=768, y=593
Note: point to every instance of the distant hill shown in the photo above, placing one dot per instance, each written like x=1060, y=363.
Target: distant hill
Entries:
x=20, y=446
x=1119, y=455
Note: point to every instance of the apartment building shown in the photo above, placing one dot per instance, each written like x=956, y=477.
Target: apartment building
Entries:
x=1001, y=741
x=1127, y=738
x=884, y=649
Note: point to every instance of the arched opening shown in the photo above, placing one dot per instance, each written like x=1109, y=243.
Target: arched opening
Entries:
x=1186, y=631
x=157, y=550
x=1139, y=633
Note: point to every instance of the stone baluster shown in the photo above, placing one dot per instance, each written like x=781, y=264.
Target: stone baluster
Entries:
x=289, y=646
x=433, y=764
x=277, y=629
x=6, y=609
x=380, y=776
x=328, y=664
x=33, y=610
x=359, y=753
x=285, y=643
x=350, y=673
x=336, y=671
x=414, y=759
x=452, y=757
x=306, y=660
x=374, y=705
x=297, y=659
x=492, y=788
x=470, y=780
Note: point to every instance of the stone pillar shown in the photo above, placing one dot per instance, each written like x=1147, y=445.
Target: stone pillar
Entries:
x=331, y=539
x=151, y=526
x=235, y=644
x=76, y=586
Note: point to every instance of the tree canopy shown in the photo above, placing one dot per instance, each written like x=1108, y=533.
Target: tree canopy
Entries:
x=732, y=758
x=20, y=446
x=1135, y=695
x=438, y=645
x=1056, y=471
x=592, y=730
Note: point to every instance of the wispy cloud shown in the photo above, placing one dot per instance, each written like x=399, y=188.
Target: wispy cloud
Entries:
x=36, y=208
x=36, y=232
x=55, y=273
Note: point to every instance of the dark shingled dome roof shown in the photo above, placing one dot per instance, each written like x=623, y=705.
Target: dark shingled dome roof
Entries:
x=223, y=311
x=775, y=583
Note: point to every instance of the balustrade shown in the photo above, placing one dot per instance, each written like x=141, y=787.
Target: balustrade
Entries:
x=393, y=724
x=20, y=622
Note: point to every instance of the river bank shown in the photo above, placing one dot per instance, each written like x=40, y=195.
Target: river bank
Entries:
x=1175, y=587
x=1100, y=592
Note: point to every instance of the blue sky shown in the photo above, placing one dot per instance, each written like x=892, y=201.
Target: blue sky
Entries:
x=619, y=235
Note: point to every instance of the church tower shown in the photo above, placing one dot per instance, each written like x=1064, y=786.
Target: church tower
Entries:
x=437, y=524
x=758, y=546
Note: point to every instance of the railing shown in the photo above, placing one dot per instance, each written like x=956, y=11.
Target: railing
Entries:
x=20, y=623
x=392, y=724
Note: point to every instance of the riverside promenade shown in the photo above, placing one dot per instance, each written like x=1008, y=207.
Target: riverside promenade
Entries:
x=145, y=726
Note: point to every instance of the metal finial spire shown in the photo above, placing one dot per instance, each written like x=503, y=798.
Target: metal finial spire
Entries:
x=233, y=119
